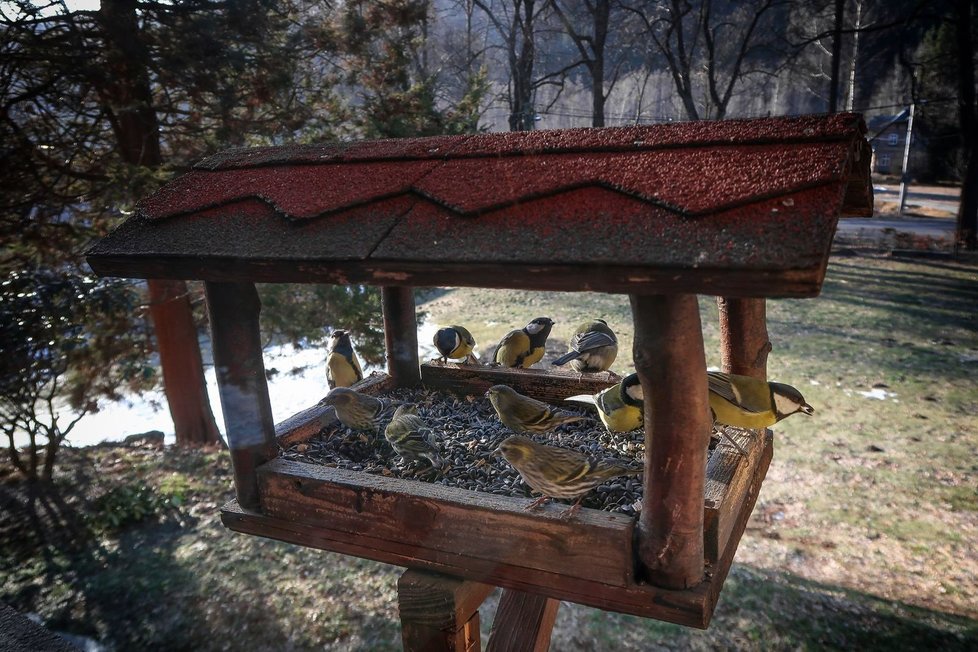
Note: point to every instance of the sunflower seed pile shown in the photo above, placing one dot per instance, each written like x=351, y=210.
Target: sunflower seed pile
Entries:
x=469, y=431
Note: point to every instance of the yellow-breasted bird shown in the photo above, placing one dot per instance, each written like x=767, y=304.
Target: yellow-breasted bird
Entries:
x=524, y=347
x=746, y=402
x=342, y=366
x=621, y=406
x=455, y=342
x=359, y=411
x=593, y=348
x=560, y=472
x=411, y=438
x=524, y=414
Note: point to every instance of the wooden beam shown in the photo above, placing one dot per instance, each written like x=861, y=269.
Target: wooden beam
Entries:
x=401, y=335
x=671, y=364
x=524, y=622
x=439, y=613
x=744, y=343
x=236, y=342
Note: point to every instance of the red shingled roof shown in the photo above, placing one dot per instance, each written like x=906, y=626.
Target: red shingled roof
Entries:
x=732, y=196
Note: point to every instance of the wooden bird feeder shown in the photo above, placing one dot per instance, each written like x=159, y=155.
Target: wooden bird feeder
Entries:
x=741, y=210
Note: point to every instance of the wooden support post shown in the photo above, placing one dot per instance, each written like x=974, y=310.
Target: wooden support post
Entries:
x=236, y=342
x=744, y=343
x=523, y=623
x=671, y=364
x=401, y=335
x=439, y=613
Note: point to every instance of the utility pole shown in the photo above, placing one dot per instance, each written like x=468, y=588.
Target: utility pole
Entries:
x=905, y=177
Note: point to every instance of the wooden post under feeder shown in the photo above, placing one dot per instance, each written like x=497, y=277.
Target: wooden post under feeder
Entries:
x=620, y=210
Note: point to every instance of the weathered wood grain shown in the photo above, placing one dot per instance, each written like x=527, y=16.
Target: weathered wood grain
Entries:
x=523, y=623
x=439, y=613
x=619, y=279
x=551, y=385
x=744, y=343
x=234, y=310
x=401, y=335
x=669, y=360
x=728, y=478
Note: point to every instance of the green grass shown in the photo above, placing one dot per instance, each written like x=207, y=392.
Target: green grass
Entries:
x=863, y=537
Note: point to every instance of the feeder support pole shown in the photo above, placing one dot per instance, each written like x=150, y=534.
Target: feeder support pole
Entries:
x=401, y=335
x=671, y=364
x=744, y=343
x=236, y=342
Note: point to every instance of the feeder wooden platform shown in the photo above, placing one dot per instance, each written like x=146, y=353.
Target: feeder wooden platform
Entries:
x=741, y=210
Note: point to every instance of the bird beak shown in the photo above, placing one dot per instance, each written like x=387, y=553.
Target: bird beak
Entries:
x=808, y=409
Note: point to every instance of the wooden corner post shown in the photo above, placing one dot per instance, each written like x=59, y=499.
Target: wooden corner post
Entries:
x=401, y=335
x=744, y=343
x=671, y=364
x=236, y=342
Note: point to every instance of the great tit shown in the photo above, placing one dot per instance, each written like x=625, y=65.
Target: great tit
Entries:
x=747, y=402
x=593, y=348
x=524, y=414
x=342, y=366
x=619, y=406
x=455, y=342
x=411, y=438
x=524, y=347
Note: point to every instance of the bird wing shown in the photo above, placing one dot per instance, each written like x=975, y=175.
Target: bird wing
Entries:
x=722, y=385
x=591, y=340
x=586, y=399
x=355, y=363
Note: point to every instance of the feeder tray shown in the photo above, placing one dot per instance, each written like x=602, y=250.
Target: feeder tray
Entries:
x=742, y=210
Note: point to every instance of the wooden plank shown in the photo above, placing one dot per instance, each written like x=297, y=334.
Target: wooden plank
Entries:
x=718, y=572
x=688, y=607
x=234, y=309
x=439, y=612
x=622, y=279
x=523, y=623
x=401, y=335
x=728, y=478
x=450, y=520
x=551, y=385
x=744, y=343
x=669, y=359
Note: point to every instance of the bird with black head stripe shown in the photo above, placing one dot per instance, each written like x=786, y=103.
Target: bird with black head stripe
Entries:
x=524, y=347
x=342, y=366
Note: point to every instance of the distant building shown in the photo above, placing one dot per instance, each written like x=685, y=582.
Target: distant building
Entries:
x=888, y=136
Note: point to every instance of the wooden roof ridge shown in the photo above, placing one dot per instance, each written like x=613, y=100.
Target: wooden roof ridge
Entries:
x=755, y=197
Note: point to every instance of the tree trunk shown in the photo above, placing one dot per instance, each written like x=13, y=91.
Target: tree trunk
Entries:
x=840, y=8
x=967, y=225
x=602, y=11
x=125, y=92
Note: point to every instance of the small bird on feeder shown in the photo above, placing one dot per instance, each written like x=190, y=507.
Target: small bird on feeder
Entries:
x=455, y=342
x=593, y=348
x=411, y=438
x=621, y=406
x=359, y=411
x=747, y=402
x=524, y=347
x=560, y=472
x=342, y=366
x=524, y=414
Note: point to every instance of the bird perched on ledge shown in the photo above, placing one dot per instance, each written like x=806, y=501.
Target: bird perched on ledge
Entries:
x=621, y=406
x=342, y=366
x=455, y=342
x=746, y=402
x=411, y=438
x=593, y=348
x=559, y=472
x=359, y=411
x=524, y=414
x=524, y=347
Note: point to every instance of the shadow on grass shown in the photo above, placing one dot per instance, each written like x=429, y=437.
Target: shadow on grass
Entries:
x=772, y=610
